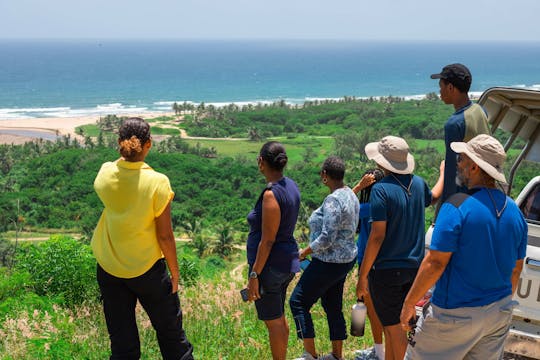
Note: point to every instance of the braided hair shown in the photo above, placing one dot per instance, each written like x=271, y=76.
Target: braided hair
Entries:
x=132, y=135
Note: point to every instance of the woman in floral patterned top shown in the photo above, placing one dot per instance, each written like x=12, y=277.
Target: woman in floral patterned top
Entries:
x=333, y=250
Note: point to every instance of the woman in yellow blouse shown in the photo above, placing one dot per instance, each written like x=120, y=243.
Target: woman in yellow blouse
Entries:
x=133, y=242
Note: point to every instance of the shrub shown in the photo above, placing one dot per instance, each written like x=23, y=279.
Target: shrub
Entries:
x=189, y=270
x=214, y=265
x=61, y=266
x=7, y=249
x=13, y=284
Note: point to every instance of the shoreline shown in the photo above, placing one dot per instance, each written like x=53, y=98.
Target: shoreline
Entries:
x=19, y=131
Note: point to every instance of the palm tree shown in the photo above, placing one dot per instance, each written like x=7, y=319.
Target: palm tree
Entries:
x=253, y=134
x=198, y=240
x=223, y=245
x=200, y=243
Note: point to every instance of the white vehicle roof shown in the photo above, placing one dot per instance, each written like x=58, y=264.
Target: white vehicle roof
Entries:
x=516, y=111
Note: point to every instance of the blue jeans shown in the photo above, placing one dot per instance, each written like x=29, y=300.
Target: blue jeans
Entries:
x=320, y=280
x=153, y=290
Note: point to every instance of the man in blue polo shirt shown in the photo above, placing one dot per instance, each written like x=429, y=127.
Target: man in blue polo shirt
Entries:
x=475, y=259
x=468, y=120
x=395, y=247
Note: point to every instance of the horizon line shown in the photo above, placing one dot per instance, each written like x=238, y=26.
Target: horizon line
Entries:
x=263, y=39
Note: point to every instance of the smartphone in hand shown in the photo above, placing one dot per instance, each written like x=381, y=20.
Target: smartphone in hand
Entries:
x=304, y=264
x=244, y=294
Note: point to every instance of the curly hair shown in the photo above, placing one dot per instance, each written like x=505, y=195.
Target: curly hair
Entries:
x=132, y=135
x=274, y=154
x=334, y=167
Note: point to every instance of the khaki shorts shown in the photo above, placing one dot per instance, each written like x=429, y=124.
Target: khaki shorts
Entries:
x=462, y=333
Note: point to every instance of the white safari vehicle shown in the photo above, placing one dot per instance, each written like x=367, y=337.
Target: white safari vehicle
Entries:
x=517, y=112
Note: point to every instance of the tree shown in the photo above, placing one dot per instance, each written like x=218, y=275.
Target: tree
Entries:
x=432, y=96
x=88, y=143
x=100, y=140
x=199, y=241
x=253, y=134
x=223, y=245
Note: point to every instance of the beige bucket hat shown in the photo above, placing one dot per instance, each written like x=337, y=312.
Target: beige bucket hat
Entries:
x=392, y=153
x=487, y=152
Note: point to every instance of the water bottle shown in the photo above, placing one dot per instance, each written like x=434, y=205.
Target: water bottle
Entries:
x=358, y=318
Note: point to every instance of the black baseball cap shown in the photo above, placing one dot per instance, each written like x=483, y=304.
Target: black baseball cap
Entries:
x=457, y=74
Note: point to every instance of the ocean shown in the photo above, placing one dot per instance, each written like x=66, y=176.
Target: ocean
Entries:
x=78, y=78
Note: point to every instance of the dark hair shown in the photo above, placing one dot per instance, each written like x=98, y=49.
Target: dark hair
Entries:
x=462, y=86
x=334, y=167
x=366, y=192
x=132, y=135
x=274, y=154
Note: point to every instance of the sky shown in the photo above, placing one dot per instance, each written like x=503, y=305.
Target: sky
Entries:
x=415, y=20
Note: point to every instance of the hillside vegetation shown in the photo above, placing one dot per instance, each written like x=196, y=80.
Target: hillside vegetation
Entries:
x=49, y=304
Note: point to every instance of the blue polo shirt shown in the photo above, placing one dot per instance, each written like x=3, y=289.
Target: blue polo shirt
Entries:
x=365, y=229
x=484, y=249
x=403, y=245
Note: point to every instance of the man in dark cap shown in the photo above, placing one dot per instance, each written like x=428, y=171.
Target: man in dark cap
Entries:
x=468, y=120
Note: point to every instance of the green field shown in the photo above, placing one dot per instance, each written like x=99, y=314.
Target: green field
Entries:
x=295, y=147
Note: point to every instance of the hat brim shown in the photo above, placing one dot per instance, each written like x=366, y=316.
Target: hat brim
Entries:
x=436, y=76
x=461, y=147
x=372, y=152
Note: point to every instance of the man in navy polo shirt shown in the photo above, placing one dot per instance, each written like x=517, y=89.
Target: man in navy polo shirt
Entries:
x=395, y=247
x=475, y=259
x=468, y=120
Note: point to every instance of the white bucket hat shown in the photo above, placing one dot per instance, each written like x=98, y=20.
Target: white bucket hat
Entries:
x=392, y=153
x=487, y=152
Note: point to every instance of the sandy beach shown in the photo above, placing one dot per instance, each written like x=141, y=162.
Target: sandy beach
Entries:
x=19, y=131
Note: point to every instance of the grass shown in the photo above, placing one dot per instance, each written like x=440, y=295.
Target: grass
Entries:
x=296, y=147
x=91, y=130
x=216, y=321
x=157, y=130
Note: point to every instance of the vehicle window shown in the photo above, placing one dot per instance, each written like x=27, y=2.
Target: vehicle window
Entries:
x=531, y=206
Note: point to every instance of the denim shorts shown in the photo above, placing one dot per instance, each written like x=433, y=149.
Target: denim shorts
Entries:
x=273, y=289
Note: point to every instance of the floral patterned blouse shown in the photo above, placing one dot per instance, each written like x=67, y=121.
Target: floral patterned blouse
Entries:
x=333, y=227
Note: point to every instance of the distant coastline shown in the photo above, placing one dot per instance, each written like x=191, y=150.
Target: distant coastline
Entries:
x=159, y=107
x=66, y=79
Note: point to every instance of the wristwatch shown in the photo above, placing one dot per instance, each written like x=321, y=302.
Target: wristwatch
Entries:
x=253, y=275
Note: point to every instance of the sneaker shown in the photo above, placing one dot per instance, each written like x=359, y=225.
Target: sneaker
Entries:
x=330, y=356
x=366, y=354
x=306, y=356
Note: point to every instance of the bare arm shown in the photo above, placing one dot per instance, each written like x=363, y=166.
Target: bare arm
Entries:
x=364, y=182
x=438, y=188
x=271, y=217
x=430, y=271
x=374, y=243
x=515, y=274
x=167, y=244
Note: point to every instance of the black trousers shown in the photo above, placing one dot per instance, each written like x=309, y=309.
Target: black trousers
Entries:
x=153, y=290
